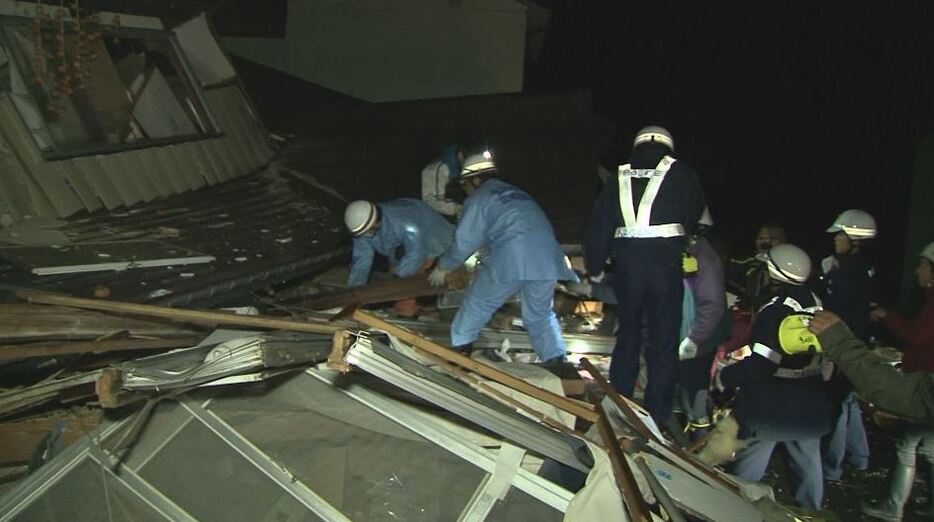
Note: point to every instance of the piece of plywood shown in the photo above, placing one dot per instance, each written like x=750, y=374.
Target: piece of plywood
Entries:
x=100, y=256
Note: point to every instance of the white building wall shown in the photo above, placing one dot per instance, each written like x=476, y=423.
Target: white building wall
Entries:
x=389, y=50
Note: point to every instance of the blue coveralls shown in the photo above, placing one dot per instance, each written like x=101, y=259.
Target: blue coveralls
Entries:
x=524, y=257
x=410, y=233
x=647, y=272
x=849, y=294
x=781, y=398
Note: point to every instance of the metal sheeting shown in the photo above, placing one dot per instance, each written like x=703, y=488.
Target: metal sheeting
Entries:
x=64, y=187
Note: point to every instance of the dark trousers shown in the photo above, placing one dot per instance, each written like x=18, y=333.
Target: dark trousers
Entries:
x=649, y=288
x=693, y=382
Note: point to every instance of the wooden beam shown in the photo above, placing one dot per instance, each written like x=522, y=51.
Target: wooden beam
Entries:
x=19, y=439
x=339, y=347
x=379, y=292
x=635, y=503
x=23, y=351
x=22, y=322
x=644, y=431
x=181, y=314
x=573, y=407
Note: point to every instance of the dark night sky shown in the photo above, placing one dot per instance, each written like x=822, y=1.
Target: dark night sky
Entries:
x=788, y=115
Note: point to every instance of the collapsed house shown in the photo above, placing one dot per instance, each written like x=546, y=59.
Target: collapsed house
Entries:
x=138, y=191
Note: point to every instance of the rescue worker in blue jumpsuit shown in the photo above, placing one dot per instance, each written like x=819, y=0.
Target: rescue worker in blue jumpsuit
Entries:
x=407, y=231
x=524, y=257
x=848, y=277
x=642, y=218
x=781, y=392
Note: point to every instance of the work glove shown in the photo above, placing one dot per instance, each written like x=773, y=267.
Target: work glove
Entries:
x=829, y=263
x=687, y=349
x=438, y=276
x=597, y=278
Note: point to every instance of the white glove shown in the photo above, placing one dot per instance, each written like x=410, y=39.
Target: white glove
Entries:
x=437, y=276
x=687, y=349
x=829, y=263
x=597, y=278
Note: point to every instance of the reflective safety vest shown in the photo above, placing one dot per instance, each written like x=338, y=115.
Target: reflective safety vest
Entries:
x=815, y=367
x=637, y=224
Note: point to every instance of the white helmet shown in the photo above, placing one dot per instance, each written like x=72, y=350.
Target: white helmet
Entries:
x=855, y=223
x=477, y=164
x=928, y=252
x=360, y=216
x=788, y=264
x=656, y=134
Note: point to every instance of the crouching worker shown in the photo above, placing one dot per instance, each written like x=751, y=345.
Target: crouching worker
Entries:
x=781, y=393
x=524, y=257
x=406, y=231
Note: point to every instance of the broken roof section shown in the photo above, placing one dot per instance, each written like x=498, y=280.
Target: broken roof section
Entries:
x=110, y=110
x=366, y=445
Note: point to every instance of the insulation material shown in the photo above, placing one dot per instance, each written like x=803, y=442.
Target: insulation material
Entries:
x=207, y=60
x=600, y=498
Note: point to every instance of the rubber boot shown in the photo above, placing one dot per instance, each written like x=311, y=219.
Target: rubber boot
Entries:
x=928, y=510
x=890, y=508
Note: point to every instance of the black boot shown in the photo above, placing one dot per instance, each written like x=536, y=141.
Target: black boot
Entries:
x=928, y=510
x=464, y=349
x=890, y=508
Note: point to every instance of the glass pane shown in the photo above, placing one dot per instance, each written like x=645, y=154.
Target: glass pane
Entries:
x=211, y=481
x=365, y=465
x=81, y=496
x=81, y=88
x=519, y=505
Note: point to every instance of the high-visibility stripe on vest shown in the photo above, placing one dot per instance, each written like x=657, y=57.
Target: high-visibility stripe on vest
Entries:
x=637, y=224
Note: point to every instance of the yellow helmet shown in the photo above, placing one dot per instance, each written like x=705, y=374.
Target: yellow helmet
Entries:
x=794, y=337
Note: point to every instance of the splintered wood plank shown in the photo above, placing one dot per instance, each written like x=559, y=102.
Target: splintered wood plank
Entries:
x=26, y=322
x=584, y=411
x=181, y=314
x=99, y=181
x=23, y=351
